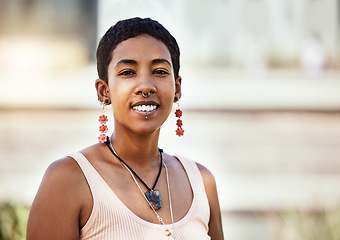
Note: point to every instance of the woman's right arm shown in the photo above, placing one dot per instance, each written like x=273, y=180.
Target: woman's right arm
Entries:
x=56, y=208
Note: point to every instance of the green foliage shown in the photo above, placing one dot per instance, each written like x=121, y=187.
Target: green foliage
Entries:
x=321, y=224
x=13, y=221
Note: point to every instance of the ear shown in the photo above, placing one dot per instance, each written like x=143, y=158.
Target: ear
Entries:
x=102, y=91
x=178, y=84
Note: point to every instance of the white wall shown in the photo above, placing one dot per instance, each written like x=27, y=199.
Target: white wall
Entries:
x=228, y=31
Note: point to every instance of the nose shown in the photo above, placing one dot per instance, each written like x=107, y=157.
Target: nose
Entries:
x=145, y=86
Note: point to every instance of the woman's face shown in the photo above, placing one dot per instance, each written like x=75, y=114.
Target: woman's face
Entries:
x=142, y=65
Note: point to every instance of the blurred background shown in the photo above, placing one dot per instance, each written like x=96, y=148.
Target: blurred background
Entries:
x=261, y=103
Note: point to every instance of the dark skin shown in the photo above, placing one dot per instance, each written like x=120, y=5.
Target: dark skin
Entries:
x=64, y=202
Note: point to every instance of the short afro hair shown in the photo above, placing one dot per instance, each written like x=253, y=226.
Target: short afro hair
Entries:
x=131, y=28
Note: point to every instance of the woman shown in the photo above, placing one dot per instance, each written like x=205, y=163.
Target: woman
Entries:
x=125, y=187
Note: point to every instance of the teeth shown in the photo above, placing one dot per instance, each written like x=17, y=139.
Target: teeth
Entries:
x=145, y=108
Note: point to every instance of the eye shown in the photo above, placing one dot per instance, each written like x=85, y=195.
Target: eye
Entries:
x=126, y=73
x=160, y=72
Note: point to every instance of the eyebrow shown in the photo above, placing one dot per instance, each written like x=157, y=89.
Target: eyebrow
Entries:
x=126, y=61
x=161, y=60
x=134, y=62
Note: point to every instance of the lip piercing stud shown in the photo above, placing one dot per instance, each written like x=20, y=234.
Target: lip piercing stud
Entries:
x=146, y=95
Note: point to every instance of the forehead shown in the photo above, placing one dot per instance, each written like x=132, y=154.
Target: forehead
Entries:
x=141, y=48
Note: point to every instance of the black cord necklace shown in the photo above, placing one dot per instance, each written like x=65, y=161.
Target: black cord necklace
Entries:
x=152, y=194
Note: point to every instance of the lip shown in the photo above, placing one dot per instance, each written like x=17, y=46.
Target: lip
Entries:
x=145, y=103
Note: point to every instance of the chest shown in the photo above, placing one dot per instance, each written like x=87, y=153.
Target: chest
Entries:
x=128, y=191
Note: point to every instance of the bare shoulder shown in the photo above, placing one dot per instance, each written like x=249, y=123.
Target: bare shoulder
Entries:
x=215, y=222
x=208, y=177
x=56, y=208
x=62, y=171
x=62, y=166
x=209, y=184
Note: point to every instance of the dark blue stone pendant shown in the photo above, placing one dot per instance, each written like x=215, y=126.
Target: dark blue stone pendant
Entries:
x=154, y=198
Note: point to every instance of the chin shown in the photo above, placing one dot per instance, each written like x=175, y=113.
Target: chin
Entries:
x=142, y=129
x=146, y=132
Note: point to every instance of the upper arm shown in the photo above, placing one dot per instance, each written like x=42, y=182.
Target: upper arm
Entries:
x=215, y=222
x=55, y=210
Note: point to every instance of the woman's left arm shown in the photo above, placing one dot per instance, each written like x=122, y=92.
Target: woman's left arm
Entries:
x=215, y=222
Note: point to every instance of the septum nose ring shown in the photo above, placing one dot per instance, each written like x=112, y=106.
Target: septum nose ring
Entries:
x=146, y=95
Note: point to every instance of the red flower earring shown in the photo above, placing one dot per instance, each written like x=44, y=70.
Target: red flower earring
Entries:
x=179, y=123
x=103, y=127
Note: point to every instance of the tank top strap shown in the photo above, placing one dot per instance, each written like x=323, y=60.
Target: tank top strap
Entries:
x=192, y=171
x=197, y=184
x=90, y=173
x=98, y=190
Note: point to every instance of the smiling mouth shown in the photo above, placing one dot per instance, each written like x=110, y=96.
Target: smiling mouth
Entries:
x=145, y=108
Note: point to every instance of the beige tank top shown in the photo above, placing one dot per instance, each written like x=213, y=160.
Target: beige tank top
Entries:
x=111, y=219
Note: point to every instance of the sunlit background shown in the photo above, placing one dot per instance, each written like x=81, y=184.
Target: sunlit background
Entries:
x=261, y=102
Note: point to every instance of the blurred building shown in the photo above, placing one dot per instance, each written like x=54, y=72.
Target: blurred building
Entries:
x=49, y=33
x=249, y=33
x=238, y=31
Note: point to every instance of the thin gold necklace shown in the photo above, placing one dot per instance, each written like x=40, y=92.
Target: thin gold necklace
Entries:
x=168, y=232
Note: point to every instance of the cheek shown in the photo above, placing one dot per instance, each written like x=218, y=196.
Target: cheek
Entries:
x=167, y=88
x=119, y=95
x=169, y=96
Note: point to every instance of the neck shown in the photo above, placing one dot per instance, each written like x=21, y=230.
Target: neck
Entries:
x=138, y=150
